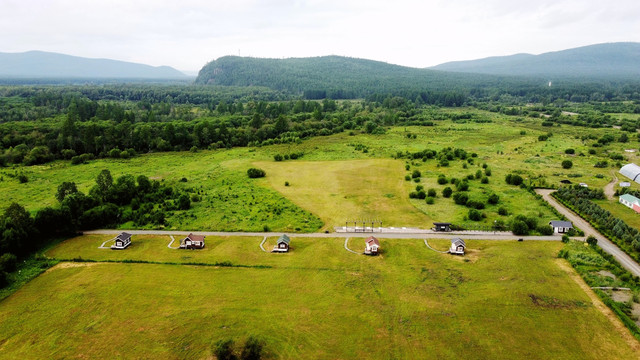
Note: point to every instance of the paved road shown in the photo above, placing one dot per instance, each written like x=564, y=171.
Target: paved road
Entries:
x=625, y=260
x=421, y=235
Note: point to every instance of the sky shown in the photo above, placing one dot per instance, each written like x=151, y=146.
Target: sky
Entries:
x=186, y=34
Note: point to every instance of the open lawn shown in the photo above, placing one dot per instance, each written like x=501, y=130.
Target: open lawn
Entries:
x=504, y=300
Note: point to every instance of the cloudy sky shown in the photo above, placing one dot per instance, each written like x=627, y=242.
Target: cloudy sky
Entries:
x=186, y=34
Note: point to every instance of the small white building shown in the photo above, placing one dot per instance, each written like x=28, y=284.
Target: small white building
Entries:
x=625, y=184
x=122, y=241
x=630, y=201
x=561, y=227
x=457, y=246
x=372, y=246
x=282, y=245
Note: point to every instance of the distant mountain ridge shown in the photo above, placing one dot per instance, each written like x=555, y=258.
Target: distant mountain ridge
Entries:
x=617, y=60
x=40, y=64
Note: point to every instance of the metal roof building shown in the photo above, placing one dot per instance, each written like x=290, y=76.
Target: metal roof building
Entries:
x=632, y=171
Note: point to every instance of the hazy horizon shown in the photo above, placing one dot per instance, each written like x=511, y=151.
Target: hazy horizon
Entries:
x=187, y=35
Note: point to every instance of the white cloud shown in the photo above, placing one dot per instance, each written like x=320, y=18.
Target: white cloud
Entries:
x=188, y=33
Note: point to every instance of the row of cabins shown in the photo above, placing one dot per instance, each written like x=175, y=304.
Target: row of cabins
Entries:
x=192, y=241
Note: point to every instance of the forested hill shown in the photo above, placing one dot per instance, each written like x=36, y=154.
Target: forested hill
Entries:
x=613, y=60
x=39, y=64
x=333, y=76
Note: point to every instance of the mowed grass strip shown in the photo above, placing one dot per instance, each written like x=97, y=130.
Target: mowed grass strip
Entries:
x=321, y=302
x=337, y=191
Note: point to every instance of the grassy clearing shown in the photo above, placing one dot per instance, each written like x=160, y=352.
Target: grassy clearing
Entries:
x=317, y=302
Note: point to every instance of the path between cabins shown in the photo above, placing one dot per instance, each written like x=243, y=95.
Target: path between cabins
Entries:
x=625, y=260
x=347, y=247
x=172, y=240
x=262, y=243
x=106, y=247
x=442, y=252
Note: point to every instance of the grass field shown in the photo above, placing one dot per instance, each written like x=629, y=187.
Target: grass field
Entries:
x=316, y=302
x=336, y=180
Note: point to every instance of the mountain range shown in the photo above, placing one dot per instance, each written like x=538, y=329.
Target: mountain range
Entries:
x=40, y=64
x=611, y=60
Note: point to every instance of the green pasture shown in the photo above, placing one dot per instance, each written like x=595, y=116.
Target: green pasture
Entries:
x=350, y=175
x=503, y=300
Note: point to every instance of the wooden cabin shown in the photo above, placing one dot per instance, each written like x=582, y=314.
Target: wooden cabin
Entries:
x=193, y=241
x=122, y=241
x=438, y=226
x=561, y=227
x=457, y=246
x=282, y=245
x=372, y=246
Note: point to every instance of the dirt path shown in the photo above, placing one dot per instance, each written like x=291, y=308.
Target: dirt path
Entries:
x=598, y=304
x=347, y=247
x=429, y=246
x=106, y=247
x=172, y=240
x=625, y=260
x=610, y=188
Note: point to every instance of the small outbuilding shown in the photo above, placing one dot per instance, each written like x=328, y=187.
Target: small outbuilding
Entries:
x=372, y=246
x=630, y=201
x=457, y=246
x=122, y=241
x=193, y=241
x=625, y=184
x=282, y=245
x=561, y=227
x=440, y=226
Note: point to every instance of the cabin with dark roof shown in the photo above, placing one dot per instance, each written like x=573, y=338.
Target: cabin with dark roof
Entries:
x=282, y=245
x=457, y=246
x=123, y=240
x=561, y=227
x=438, y=226
x=372, y=246
x=193, y=241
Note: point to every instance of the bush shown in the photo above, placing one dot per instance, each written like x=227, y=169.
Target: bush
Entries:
x=485, y=180
x=474, y=215
x=223, y=350
x=565, y=238
x=194, y=149
x=545, y=230
x=567, y=164
x=407, y=177
x=446, y=192
x=487, y=172
x=591, y=240
x=519, y=227
x=430, y=200
x=23, y=178
x=431, y=193
x=475, y=204
x=493, y=199
x=252, y=349
x=569, y=151
x=462, y=186
x=416, y=174
x=513, y=179
x=442, y=180
x=277, y=157
x=8, y=262
x=460, y=198
x=503, y=211
x=286, y=183
x=419, y=187
x=184, y=203
x=256, y=173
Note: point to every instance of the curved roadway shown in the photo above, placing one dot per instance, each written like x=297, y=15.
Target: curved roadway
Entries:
x=625, y=260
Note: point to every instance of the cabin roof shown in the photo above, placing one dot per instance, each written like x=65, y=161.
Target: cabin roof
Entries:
x=559, y=223
x=194, y=237
x=283, y=239
x=441, y=223
x=123, y=236
x=458, y=242
x=371, y=240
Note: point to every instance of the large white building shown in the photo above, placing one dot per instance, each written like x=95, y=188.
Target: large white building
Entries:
x=632, y=171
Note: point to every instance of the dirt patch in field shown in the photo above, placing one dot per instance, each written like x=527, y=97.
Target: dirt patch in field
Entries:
x=595, y=300
x=555, y=303
x=606, y=273
x=620, y=296
x=65, y=265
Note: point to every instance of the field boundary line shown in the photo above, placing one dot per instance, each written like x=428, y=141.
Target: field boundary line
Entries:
x=172, y=240
x=106, y=247
x=429, y=246
x=262, y=243
x=346, y=247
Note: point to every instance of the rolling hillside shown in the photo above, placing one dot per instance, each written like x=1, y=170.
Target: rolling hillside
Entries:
x=613, y=60
x=39, y=64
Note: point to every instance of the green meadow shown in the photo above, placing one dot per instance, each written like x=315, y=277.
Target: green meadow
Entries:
x=349, y=176
x=503, y=300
